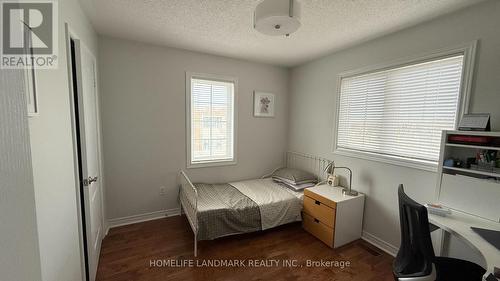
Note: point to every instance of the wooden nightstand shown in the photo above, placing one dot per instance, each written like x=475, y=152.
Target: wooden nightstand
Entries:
x=332, y=217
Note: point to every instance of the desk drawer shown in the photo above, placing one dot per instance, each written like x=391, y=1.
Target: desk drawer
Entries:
x=318, y=229
x=320, y=211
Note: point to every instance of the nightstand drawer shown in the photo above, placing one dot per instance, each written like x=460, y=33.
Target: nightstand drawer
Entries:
x=330, y=203
x=318, y=229
x=320, y=211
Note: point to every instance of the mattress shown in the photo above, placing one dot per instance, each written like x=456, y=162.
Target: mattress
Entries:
x=277, y=204
x=244, y=206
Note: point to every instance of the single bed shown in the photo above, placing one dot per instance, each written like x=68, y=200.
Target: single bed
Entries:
x=218, y=210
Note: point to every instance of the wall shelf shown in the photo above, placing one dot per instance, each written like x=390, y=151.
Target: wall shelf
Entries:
x=478, y=172
x=473, y=146
x=464, y=189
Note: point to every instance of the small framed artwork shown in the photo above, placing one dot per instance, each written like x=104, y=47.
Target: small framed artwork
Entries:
x=31, y=91
x=30, y=84
x=475, y=122
x=263, y=104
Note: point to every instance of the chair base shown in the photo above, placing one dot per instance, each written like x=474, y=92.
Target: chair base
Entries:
x=450, y=269
x=430, y=277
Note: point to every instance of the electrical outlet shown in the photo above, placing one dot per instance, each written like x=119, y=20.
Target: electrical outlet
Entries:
x=163, y=190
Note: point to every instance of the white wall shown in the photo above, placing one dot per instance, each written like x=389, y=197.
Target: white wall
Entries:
x=53, y=161
x=143, y=113
x=313, y=101
x=19, y=254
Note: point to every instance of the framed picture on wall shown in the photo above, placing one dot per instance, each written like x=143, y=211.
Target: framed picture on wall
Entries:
x=30, y=84
x=31, y=92
x=263, y=104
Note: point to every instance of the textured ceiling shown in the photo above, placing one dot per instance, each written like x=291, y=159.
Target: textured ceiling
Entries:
x=225, y=27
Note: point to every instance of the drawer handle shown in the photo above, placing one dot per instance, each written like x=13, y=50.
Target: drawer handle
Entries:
x=316, y=220
x=317, y=202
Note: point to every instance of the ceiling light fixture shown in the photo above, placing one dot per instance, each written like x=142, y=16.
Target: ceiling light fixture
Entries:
x=277, y=17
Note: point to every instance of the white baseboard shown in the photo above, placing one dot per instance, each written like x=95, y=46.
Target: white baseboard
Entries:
x=142, y=217
x=379, y=243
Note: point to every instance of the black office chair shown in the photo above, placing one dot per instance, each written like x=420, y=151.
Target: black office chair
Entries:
x=416, y=259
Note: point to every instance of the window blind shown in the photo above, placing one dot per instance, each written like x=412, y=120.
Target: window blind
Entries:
x=212, y=121
x=400, y=111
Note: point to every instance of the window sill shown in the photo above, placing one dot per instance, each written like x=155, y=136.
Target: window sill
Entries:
x=211, y=164
x=388, y=159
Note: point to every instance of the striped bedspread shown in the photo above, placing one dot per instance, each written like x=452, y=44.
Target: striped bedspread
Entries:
x=245, y=206
x=277, y=204
x=223, y=210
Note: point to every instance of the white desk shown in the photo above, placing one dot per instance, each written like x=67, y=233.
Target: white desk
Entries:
x=458, y=224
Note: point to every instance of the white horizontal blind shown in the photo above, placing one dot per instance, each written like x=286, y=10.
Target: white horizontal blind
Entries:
x=400, y=111
x=212, y=120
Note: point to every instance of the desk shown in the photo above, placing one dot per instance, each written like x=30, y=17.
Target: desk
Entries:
x=458, y=224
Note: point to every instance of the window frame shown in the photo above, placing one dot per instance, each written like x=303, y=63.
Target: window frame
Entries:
x=468, y=50
x=212, y=77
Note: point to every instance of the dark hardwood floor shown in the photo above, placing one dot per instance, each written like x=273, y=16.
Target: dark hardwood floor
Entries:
x=128, y=251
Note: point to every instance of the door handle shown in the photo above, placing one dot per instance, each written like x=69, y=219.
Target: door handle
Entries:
x=89, y=181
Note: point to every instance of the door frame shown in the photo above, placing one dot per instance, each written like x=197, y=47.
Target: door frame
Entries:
x=71, y=35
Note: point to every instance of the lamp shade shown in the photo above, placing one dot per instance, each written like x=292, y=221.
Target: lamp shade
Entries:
x=277, y=17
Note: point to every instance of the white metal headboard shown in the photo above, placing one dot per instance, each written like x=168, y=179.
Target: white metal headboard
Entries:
x=307, y=162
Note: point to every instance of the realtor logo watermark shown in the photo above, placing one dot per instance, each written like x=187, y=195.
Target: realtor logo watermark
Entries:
x=29, y=36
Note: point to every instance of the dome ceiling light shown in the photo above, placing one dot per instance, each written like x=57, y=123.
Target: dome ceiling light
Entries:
x=277, y=17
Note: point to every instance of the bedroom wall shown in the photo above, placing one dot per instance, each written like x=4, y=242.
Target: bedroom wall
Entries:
x=53, y=161
x=313, y=102
x=20, y=256
x=143, y=113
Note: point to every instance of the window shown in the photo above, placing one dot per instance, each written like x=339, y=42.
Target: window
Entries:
x=396, y=114
x=210, y=120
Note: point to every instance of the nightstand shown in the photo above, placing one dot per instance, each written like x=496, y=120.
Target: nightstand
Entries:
x=332, y=217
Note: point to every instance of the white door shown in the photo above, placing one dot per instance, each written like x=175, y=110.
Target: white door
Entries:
x=85, y=64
